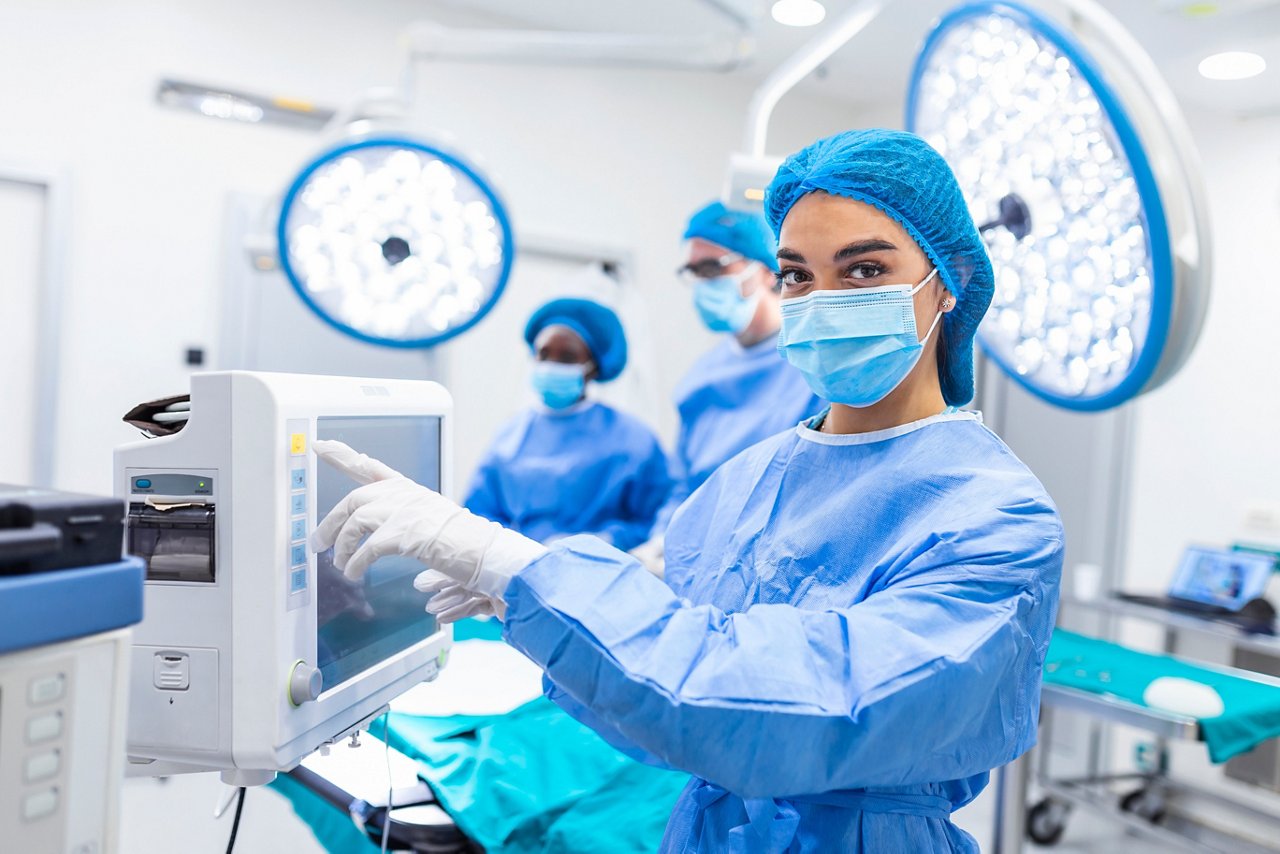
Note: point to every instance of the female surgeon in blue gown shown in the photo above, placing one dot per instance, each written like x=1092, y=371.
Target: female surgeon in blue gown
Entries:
x=573, y=465
x=852, y=627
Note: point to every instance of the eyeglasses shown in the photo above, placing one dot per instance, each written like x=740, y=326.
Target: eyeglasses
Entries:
x=707, y=268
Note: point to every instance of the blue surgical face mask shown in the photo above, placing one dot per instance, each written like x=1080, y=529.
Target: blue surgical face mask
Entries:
x=559, y=385
x=720, y=302
x=854, y=346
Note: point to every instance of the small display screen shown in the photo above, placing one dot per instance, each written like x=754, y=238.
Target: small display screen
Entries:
x=362, y=623
x=1220, y=577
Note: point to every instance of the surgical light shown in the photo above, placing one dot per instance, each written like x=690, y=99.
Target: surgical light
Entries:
x=1232, y=65
x=798, y=13
x=395, y=241
x=1100, y=251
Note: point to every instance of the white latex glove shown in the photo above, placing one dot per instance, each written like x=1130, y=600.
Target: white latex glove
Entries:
x=400, y=517
x=450, y=601
x=651, y=555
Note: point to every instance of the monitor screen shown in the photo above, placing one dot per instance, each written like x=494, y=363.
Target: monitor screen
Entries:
x=1221, y=577
x=365, y=622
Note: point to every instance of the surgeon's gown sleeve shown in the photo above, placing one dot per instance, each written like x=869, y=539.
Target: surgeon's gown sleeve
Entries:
x=484, y=496
x=924, y=680
x=680, y=486
x=643, y=497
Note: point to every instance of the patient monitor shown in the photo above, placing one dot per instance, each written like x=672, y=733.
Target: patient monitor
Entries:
x=253, y=651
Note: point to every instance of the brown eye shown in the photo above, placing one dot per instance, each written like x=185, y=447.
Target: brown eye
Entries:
x=864, y=270
x=791, y=278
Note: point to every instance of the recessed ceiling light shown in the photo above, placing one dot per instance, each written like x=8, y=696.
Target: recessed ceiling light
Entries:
x=1232, y=65
x=798, y=13
x=237, y=106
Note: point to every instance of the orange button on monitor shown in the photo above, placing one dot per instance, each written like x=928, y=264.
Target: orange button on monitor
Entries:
x=297, y=443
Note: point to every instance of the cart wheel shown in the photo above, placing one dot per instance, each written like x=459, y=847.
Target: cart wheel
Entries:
x=1146, y=803
x=1046, y=822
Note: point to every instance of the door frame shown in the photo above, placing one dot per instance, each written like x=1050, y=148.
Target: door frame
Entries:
x=55, y=238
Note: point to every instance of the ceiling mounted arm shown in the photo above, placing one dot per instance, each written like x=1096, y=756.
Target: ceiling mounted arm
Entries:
x=798, y=66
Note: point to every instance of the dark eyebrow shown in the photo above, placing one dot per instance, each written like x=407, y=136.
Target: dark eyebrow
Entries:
x=858, y=248
x=863, y=246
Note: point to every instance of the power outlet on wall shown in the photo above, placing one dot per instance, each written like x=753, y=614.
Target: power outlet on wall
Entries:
x=1263, y=520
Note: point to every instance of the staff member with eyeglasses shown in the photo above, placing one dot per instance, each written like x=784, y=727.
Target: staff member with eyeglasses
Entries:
x=742, y=391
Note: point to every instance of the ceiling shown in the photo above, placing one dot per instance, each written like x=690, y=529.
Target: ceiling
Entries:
x=874, y=67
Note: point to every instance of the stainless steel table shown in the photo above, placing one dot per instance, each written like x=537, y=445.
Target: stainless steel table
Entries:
x=1143, y=810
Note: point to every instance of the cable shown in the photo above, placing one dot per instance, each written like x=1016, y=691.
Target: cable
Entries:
x=235, y=823
x=386, y=747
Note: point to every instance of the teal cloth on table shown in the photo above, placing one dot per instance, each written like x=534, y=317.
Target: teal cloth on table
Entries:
x=1088, y=664
x=473, y=628
x=537, y=780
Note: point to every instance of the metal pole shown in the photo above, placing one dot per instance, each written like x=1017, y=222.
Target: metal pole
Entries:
x=1011, y=805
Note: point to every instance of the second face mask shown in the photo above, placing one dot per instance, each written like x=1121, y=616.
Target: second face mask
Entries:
x=559, y=385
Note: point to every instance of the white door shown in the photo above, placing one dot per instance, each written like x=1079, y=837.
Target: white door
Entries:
x=22, y=219
x=487, y=369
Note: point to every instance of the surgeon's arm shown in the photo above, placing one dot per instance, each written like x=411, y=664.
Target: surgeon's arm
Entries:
x=678, y=467
x=484, y=497
x=642, y=497
x=652, y=486
x=936, y=677
x=679, y=492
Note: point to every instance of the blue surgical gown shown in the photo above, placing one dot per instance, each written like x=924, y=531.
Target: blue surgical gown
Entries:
x=852, y=638
x=588, y=469
x=732, y=397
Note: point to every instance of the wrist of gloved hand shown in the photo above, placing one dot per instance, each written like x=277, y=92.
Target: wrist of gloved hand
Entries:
x=480, y=555
x=507, y=554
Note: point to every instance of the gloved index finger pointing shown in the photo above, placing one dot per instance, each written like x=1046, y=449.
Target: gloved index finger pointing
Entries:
x=352, y=463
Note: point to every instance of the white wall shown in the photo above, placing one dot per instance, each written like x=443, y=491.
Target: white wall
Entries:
x=1206, y=450
x=612, y=156
x=618, y=157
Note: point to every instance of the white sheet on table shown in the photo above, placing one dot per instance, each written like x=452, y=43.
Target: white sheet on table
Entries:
x=481, y=678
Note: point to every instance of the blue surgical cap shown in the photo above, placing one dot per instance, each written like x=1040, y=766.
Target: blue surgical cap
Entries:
x=598, y=326
x=745, y=233
x=901, y=175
